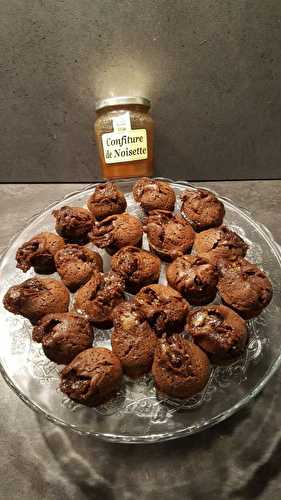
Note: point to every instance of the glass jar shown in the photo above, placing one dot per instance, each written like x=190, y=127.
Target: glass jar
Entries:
x=124, y=136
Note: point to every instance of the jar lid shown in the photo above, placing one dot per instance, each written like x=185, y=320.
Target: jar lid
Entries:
x=117, y=101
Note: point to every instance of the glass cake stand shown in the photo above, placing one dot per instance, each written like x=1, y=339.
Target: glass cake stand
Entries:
x=137, y=414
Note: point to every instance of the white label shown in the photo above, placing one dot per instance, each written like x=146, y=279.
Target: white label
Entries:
x=122, y=122
x=125, y=146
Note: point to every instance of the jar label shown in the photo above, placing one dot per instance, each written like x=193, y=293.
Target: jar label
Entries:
x=122, y=122
x=130, y=145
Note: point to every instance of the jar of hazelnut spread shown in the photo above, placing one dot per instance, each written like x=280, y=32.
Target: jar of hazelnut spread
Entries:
x=124, y=135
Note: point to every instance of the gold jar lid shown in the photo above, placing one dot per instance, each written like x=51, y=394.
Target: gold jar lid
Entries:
x=118, y=101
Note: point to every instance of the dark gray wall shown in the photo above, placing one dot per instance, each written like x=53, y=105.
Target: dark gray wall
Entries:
x=211, y=68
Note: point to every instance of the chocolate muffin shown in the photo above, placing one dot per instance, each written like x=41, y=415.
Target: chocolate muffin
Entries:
x=75, y=265
x=138, y=267
x=73, y=224
x=98, y=297
x=106, y=200
x=194, y=277
x=219, y=331
x=245, y=288
x=36, y=297
x=93, y=377
x=153, y=195
x=164, y=308
x=116, y=232
x=169, y=235
x=202, y=209
x=39, y=253
x=180, y=368
x=132, y=339
x=220, y=245
x=63, y=336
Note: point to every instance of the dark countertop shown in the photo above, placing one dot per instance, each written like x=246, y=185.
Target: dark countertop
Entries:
x=237, y=459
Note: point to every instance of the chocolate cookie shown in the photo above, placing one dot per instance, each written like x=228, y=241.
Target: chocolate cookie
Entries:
x=39, y=253
x=202, y=209
x=164, y=308
x=106, y=200
x=194, y=277
x=153, y=194
x=219, y=331
x=63, y=336
x=220, y=245
x=169, y=235
x=73, y=224
x=132, y=339
x=138, y=267
x=116, y=232
x=245, y=288
x=180, y=368
x=93, y=377
x=75, y=265
x=97, y=299
x=37, y=297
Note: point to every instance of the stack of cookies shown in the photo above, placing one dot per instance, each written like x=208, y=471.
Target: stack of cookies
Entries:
x=174, y=331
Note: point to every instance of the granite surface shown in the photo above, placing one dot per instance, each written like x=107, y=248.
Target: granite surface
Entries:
x=237, y=459
x=212, y=69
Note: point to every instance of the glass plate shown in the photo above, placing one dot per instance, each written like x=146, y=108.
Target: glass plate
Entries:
x=137, y=414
